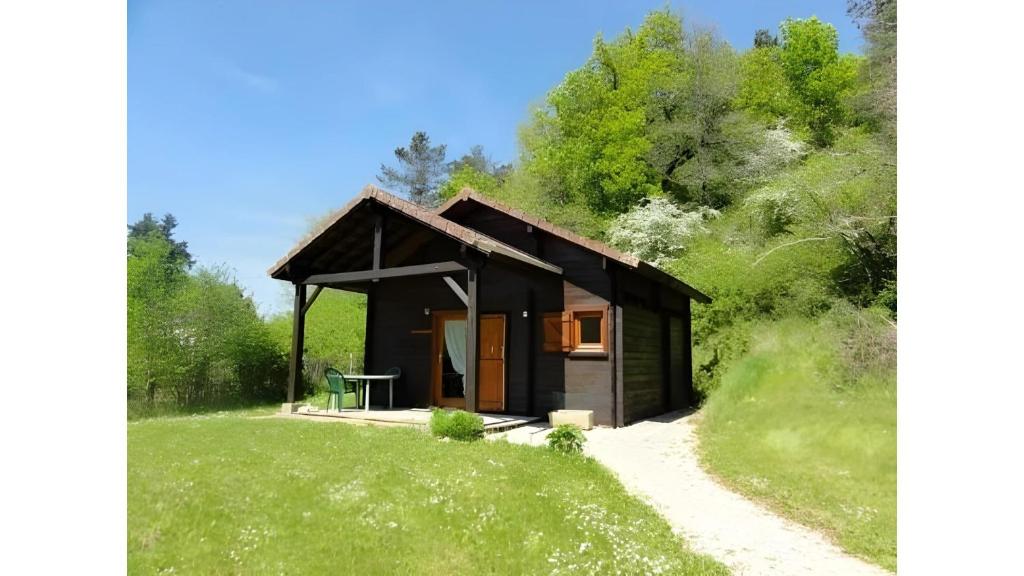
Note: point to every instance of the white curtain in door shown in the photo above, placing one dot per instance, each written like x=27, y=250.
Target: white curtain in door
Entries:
x=455, y=343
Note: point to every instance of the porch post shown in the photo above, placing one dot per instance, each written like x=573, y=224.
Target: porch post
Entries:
x=472, y=354
x=298, y=335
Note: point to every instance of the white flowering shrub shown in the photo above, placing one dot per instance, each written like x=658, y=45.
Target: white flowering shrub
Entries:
x=773, y=210
x=657, y=229
x=778, y=148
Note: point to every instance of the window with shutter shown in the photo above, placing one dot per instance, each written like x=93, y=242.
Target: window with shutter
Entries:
x=578, y=331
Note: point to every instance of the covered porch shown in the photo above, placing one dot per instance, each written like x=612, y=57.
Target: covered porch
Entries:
x=421, y=275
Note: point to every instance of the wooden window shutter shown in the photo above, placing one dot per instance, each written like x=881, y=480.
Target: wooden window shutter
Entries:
x=567, y=332
x=557, y=331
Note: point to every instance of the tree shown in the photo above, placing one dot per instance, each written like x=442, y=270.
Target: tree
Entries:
x=468, y=176
x=193, y=338
x=480, y=163
x=153, y=280
x=763, y=38
x=421, y=169
x=764, y=89
x=817, y=75
x=877, y=20
x=688, y=145
x=588, y=143
x=149, y=226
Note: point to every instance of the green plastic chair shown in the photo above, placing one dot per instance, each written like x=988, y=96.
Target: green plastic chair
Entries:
x=338, y=387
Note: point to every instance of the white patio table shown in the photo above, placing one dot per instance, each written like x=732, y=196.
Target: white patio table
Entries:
x=367, y=379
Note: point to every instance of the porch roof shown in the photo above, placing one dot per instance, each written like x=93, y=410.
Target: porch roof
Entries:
x=341, y=234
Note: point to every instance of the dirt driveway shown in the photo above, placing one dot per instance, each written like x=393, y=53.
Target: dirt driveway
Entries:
x=657, y=460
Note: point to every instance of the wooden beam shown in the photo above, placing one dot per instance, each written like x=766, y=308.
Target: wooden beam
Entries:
x=298, y=336
x=617, y=351
x=457, y=289
x=691, y=399
x=472, y=353
x=378, y=230
x=369, y=331
x=532, y=325
x=399, y=272
x=311, y=299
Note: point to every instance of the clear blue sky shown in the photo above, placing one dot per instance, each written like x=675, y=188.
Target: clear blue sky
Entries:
x=246, y=119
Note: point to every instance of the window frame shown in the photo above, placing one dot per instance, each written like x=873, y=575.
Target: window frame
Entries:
x=580, y=348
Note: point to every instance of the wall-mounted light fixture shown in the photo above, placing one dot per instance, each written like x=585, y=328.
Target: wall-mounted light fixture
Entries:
x=426, y=311
x=526, y=314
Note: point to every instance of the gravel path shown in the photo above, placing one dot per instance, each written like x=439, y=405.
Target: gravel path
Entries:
x=657, y=460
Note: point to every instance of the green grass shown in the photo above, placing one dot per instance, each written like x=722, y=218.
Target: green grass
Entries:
x=140, y=410
x=809, y=427
x=227, y=494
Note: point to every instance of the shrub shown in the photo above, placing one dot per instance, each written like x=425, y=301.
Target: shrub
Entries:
x=456, y=424
x=774, y=211
x=657, y=229
x=567, y=439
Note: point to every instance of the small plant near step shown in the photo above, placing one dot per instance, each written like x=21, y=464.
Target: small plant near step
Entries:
x=567, y=439
x=457, y=425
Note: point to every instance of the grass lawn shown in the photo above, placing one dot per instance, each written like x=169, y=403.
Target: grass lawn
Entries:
x=788, y=429
x=227, y=493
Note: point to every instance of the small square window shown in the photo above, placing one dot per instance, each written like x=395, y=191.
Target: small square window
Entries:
x=589, y=330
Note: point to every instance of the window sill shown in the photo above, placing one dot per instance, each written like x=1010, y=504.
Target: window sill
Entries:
x=588, y=354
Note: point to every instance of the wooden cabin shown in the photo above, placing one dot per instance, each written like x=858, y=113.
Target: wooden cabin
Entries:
x=556, y=320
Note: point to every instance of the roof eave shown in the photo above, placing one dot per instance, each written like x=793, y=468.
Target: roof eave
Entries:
x=476, y=241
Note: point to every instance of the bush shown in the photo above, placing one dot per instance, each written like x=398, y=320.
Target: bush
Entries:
x=456, y=424
x=656, y=229
x=567, y=439
x=195, y=339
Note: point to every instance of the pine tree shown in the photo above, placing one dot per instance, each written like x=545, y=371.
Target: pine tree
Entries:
x=421, y=170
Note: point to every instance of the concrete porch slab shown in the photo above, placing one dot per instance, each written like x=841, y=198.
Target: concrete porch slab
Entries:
x=408, y=417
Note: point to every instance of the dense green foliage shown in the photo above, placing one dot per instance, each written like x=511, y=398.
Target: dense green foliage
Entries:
x=226, y=494
x=818, y=76
x=195, y=340
x=806, y=421
x=468, y=176
x=567, y=439
x=456, y=425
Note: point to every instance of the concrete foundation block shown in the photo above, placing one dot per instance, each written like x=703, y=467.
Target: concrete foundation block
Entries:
x=582, y=418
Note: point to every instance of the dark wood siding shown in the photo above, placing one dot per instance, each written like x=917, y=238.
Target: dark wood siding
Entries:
x=399, y=336
x=643, y=360
x=650, y=330
x=502, y=227
x=588, y=380
x=678, y=383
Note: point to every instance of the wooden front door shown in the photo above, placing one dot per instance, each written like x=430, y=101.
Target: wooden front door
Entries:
x=491, y=395
x=448, y=383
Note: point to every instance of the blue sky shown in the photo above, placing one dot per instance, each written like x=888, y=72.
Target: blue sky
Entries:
x=247, y=119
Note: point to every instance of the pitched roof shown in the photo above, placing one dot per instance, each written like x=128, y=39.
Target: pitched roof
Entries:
x=628, y=260
x=480, y=242
x=542, y=224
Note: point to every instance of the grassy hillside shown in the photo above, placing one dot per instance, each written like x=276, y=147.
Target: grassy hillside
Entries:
x=805, y=421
